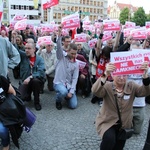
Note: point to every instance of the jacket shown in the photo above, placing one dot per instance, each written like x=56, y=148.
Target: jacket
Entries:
x=108, y=115
x=49, y=60
x=38, y=70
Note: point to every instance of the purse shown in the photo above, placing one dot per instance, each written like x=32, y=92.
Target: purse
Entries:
x=126, y=133
x=29, y=120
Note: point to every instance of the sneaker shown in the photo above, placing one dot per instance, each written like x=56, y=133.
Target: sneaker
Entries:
x=58, y=105
x=37, y=107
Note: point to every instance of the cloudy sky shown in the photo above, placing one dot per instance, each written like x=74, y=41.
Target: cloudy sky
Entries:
x=139, y=3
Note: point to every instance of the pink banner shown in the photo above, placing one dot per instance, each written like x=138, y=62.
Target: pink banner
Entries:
x=139, y=33
x=71, y=21
x=127, y=62
x=92, y=42
x=111, y=25
x=50, y=3
x=98, y=25
x=147, y=24
x=44, y=40
x=129, y=24
x=107, y=36
x=21, y=25
x=80, y=37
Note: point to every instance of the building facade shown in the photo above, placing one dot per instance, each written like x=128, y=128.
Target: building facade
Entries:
x=25, y=7
x=95, y=9
x=5, y=16
x=115, y=10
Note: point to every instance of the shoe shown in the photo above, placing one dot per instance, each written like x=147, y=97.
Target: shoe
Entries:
x=94, y=100
x=58, y=105
x=37, y=107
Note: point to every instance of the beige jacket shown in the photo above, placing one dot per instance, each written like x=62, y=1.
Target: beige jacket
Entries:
x=50, y=60
x=108, y=115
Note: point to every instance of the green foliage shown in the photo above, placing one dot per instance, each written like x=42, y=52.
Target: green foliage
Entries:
x=148, y=17
x=124, y=15
x=140, y=17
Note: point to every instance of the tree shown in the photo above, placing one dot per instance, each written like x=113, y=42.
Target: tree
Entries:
x=140, y=17
x=148, y=17
x=124, y=15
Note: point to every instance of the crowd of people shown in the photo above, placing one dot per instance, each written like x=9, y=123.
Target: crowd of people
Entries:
x=56, y=64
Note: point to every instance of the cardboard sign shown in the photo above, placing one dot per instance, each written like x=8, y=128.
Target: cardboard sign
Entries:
x=65, y=32
x=49, y=3
x=111, y=25
x=44, y=40
x=139, y=33
x=19, y=17
x=21, y=25
x=129, y=24
x=81, y=64
x=80, y=37
x=92, y=42
x=127, y=62
x=71, y=21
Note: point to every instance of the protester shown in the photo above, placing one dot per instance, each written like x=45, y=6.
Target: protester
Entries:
x=66, y=74
x=49, y=56
x=107, y=121
x=32, y=73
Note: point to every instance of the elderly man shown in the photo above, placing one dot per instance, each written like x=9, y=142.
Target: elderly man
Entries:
x=49, y=56
x=32, y=73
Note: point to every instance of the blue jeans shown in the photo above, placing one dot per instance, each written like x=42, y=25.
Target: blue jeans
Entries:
x=4, y=135
x=61, y=93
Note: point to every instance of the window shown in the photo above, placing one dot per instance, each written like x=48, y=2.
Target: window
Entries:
x=16, y=7
x=12, y=6
x=22, y=7
x=4, y=5
x=4, y=16
x=27, y=7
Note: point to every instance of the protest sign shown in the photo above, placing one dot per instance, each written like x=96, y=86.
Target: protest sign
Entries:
x=111, y=25
x=92, y=43
x=139, y=33
x=80, y=37
x=127, y=62
x=49, y=3
x=129, y=24
x=81, y=64
x=44, y=40
x=21, y=25
x=71, y=21
x=107, y=36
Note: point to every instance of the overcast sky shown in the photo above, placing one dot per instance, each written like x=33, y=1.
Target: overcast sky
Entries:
x=140, y=3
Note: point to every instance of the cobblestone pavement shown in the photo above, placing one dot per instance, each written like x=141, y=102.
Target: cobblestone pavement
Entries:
x=68, y=129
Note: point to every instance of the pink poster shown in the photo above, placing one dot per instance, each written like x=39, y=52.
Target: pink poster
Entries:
x=127, y=62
